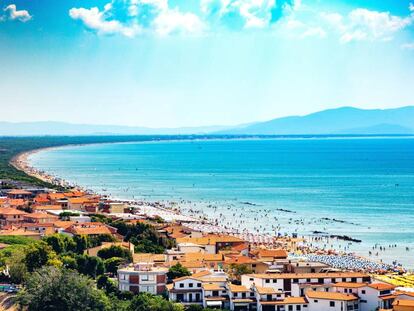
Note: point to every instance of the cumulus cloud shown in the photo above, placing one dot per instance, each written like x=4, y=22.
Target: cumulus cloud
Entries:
x=243, y=14
x=11, y=13
x=131, y=17
x=363, y=24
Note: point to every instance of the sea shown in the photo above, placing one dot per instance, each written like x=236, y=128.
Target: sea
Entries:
x=359, y=187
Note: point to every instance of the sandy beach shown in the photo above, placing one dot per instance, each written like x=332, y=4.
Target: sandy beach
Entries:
x=211, y=218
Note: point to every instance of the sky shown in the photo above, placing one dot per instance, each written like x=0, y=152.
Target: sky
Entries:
x=175, y=63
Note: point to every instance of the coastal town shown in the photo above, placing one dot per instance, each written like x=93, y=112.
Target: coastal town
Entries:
x=218, y=269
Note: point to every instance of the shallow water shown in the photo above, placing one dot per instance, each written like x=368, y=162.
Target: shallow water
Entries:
x=367, y=182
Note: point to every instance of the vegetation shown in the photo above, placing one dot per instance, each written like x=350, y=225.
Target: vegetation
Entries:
x=50, y=288
x=148, y=302
x=236, y=271
x=115, y=251
x=144, y=236
x=177, y=271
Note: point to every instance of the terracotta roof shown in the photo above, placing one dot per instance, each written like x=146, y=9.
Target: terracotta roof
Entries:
x=381, y=286
x=238, y=288
x=11, y=211
x=211, y=239
x=281, y=253
x=63, y=224
x=203, y=257
x=47, y=207
x=240, y=260
x=16, y=202
x=266, y=290
x=201, y=274
x=19, y=192
x=56, y=196
x=308, y=275
x=88, y=228
x=330, y=296
x=403, y=303
x=40, y=216
x=350, y=284
x=20, y=232
x=211, y=287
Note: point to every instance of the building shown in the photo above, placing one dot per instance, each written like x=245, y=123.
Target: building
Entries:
x=289, y=282
x=325, y=301
x=10, y=216
x=143, y=277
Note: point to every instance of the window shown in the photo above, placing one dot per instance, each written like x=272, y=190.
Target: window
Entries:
x=274, y=280
x=363, y=301
x=268, y=297
x=190, y=284
x=363, y=291
x=243, y=295
x=295, y=281
x=343, y=279
x=267, y=281
x=198, y=284
x=346, y=290
x=315, y=301
x=298, y=308
x=353, y=280
x=308, y=280
x=144, y=277
x=254, y=265
x=332, y=303
x=181, y=285
x=333, y=280
x=290, y=308
x=251, y=279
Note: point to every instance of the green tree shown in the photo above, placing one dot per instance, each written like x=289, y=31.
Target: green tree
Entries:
x=90, y=265
x=61, y=243
x=115, y=251
x=12, y=259
x=112, y=264
x=177, y=271
x=51, y=289
x=148, y=302
x=106, y=284
x=39, y=254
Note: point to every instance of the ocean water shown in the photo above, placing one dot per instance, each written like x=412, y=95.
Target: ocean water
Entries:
x=366, y=183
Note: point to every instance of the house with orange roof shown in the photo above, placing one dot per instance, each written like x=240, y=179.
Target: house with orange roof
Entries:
x=212, y=243
x=19, y=194
x=40, y=218
x=90, y=228
x=403, y=305
x=372, y=295
x=241, y=297
x=253, y=265
x=319, y=301
x=207, y=289
x=41, y=228
x=269, y=255
x=20, y=232
x=15, y=203
x=10, y=216
x=39, y=208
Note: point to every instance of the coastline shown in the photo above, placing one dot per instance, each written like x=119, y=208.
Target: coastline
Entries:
x=171, y=213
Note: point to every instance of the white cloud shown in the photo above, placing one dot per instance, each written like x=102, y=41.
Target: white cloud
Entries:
x=411, y=7
x=314, y=32
x=362, y=24
x=173, y=21
x=96, y=20
x=11, y=13
x=131, y=17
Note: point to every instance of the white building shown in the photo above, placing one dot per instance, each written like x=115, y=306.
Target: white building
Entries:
x=143, y=277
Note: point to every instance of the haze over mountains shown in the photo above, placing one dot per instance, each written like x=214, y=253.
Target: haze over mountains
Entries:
x=345, y=120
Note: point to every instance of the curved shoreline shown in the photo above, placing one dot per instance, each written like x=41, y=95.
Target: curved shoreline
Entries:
x=21, y=162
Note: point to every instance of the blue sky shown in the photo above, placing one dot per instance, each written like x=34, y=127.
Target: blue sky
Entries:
x=161, y=63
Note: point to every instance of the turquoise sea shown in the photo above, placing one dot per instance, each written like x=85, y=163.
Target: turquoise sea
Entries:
x=365, y=183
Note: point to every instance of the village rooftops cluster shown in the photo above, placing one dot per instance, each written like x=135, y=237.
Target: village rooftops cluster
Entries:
x=226, y=271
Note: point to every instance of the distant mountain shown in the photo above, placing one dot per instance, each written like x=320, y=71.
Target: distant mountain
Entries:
x=345, y=120
x=61, y=128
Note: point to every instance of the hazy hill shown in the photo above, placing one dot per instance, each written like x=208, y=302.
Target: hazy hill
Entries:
x=345, y=120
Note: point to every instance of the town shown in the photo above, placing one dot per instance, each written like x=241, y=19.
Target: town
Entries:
x=147, y=249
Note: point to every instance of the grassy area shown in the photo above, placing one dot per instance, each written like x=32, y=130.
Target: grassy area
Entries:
x=12, y=146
